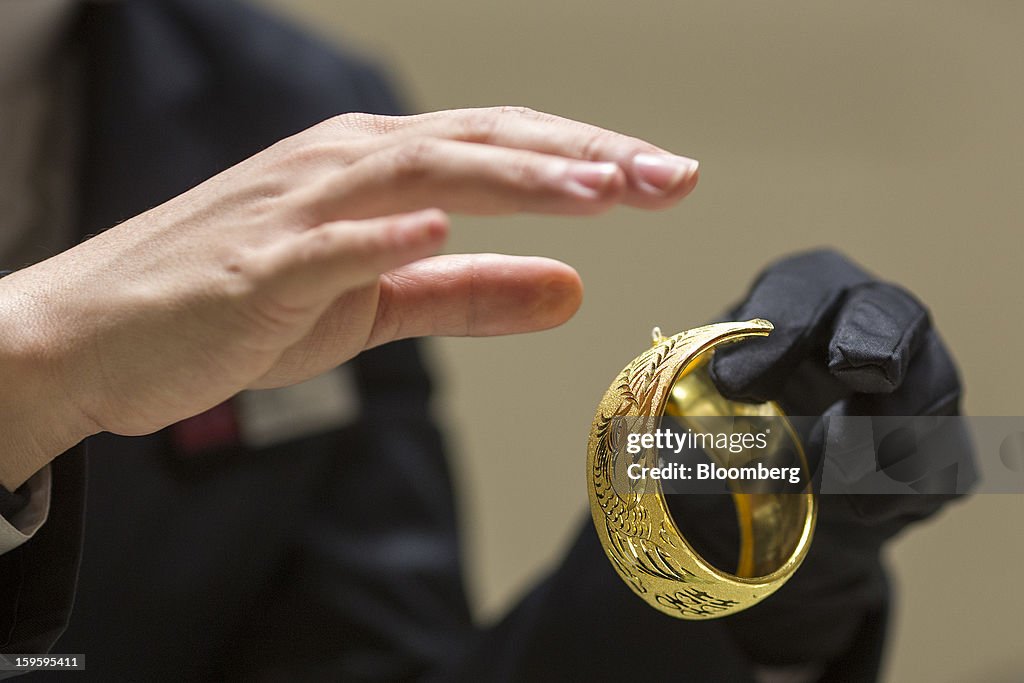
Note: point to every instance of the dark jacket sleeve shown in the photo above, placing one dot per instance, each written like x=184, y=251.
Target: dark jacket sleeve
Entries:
x=37, y=579
x=583, y=623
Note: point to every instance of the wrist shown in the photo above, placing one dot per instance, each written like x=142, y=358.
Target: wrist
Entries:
x=38, y=417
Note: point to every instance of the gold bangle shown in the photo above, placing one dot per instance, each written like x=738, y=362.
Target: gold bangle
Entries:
x=636, y=528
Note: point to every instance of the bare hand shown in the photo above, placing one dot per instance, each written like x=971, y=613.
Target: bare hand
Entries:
x=299, y=258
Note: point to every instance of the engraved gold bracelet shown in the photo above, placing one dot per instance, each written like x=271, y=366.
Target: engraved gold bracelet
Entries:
x=635, y=527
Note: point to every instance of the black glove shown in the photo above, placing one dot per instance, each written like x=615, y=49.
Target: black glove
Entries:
x=839, y=334
x=844, y=344
x=847, y=344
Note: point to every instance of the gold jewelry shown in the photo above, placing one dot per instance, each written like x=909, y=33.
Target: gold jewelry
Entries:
x=632, y=518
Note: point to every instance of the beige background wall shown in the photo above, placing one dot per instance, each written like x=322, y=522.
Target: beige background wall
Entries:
x=890, y=129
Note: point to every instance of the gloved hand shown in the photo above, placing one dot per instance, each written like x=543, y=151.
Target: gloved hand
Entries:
x=844, y=344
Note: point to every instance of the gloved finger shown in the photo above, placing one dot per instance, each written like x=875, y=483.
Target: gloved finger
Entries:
x=930, y=386
x=799, y=295
x=884, y=447
x=876, y=333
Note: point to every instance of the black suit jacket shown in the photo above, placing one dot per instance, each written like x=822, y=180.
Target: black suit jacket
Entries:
x=334, y=557
x=185, y=559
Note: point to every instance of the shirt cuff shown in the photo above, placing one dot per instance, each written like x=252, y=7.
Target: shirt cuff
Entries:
x=22, y=525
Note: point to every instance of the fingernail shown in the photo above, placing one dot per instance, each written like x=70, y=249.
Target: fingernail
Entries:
x=590, y=180
x=663, y=173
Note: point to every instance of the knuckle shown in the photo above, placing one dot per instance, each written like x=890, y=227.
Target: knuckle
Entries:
x=360, y=122
x=313, y=245
x=525, y=112
x=908, y=298
x=270, y=315
x=314, y=153
x=411, y=161
x=598, y=144
x=243, y=275
x=389, y=322
x=308, y=206
x=386, y=323
x=251, y=300
x=298, y=152
x=479, y=126
x=527, y=174
x=823, y=257
x=384, y=239
x=871, y=298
